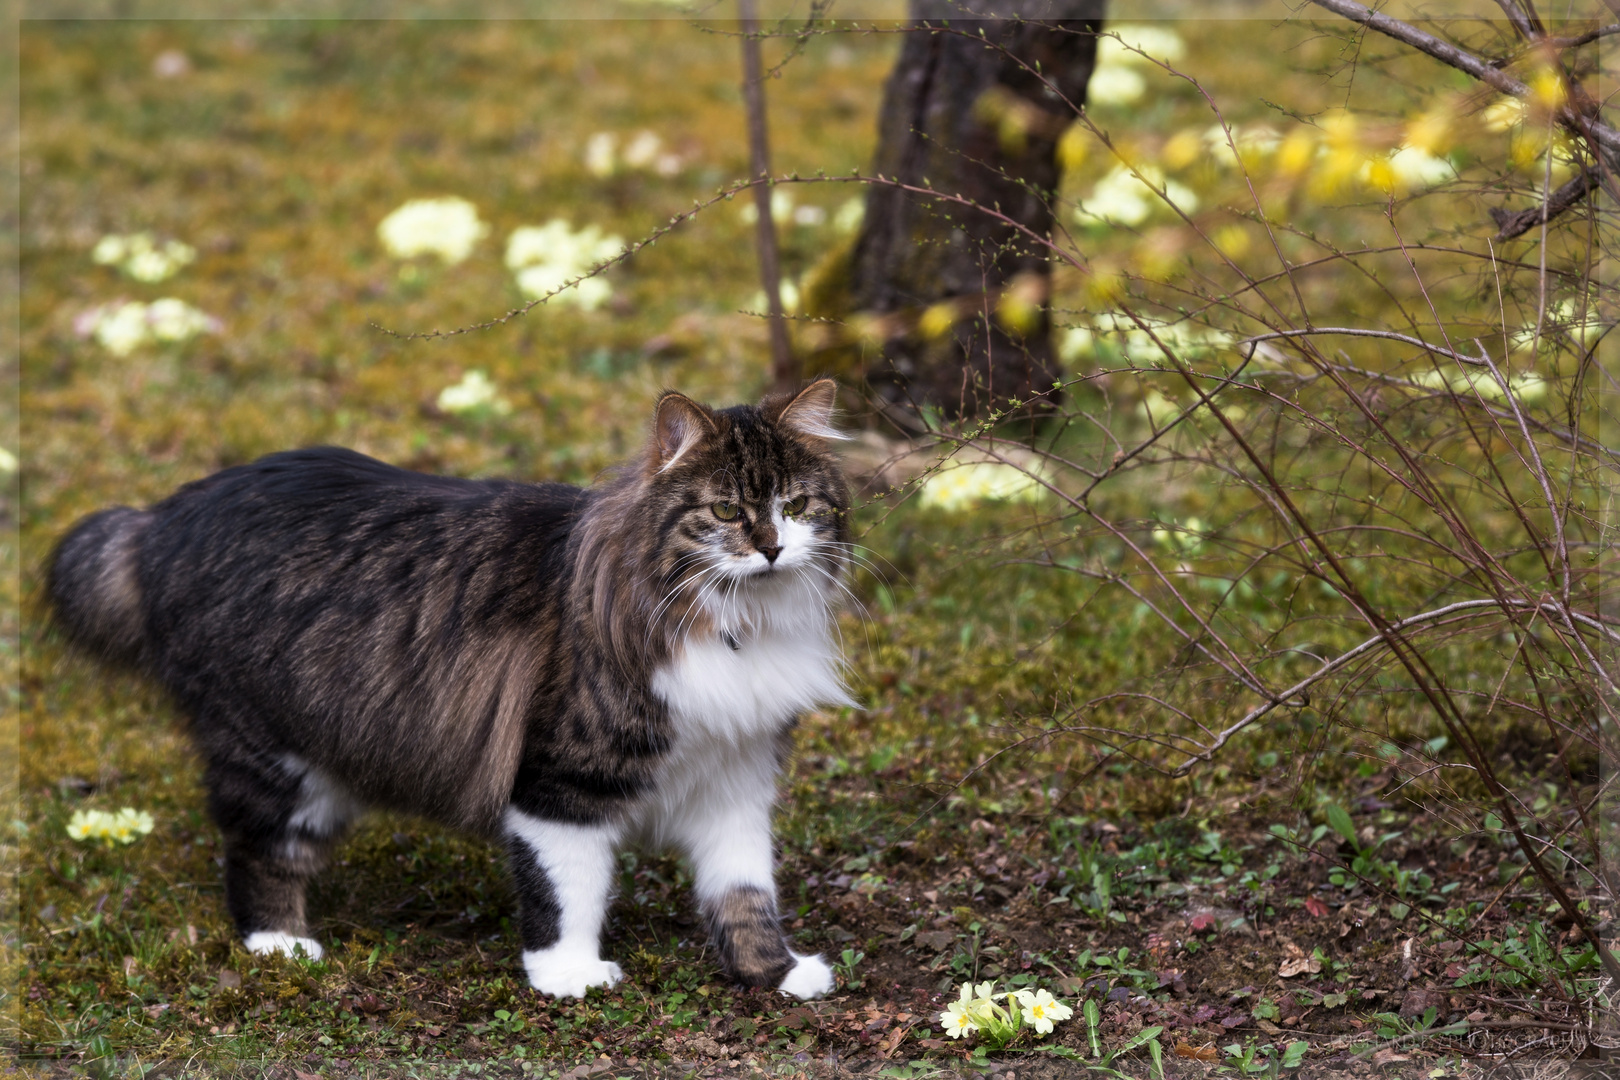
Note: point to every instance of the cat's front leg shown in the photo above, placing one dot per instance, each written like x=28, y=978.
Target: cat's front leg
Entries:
x=563, y=873
x=726, y=830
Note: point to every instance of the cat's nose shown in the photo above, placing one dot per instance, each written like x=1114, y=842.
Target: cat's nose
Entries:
x=770, y=553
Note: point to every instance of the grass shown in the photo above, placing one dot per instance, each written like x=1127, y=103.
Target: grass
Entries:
x=1170, y=903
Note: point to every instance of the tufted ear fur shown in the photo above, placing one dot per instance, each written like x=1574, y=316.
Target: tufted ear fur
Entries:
x=679, y=424
x=811, y=411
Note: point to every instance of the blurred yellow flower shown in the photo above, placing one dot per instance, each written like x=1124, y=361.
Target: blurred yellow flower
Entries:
x=1412, y=169
x=1335, y=169
x=937, y=321
x=1297, y=152
x=1126, y=198
x=1073, y=147
x=787, y=292
x=447, y=227
x=473, y=393
x=546, y=257
x=1548, y=88
x=645, y=150
x=123, y=326
x=959, y=485
x=1120, y=43
x=1019, y=307
x=141, y=257
x=1183, y=148
x=124, y=827
x=1114, y=86
x=1231, y=240
x=600, y=154
x=781, y=208
x=1503, y=114
x=1431, y=132
x=849, y=216
x=1076, y=342
x=1526, y=149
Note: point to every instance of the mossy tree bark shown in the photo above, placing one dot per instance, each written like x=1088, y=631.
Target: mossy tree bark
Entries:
x=962, y=295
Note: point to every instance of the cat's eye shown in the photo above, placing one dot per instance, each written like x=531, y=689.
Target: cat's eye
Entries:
x=795, y=507
x=725, y=511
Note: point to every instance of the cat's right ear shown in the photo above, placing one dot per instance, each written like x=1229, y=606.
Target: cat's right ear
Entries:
x=679, y=425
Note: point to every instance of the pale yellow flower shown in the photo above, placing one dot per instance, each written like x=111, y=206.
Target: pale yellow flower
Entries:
x=1503, y=114
x=958, y=486
x=141, y=257
x=546, y=257
x=446, y=227
x=1042, y=1010
x=472, y=393
x=124, y=827
x=958, y=1017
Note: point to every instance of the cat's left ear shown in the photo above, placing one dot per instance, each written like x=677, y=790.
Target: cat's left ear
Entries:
x=811, y=411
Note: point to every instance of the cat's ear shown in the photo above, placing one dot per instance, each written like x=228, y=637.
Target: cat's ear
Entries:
x=811, y=411
x=679, y=424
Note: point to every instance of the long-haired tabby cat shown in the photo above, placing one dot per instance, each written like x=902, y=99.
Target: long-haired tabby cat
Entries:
x=565, y=669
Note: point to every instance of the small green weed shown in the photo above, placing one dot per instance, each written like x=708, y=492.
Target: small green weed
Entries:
x=845, y=967
x=1264, y=1059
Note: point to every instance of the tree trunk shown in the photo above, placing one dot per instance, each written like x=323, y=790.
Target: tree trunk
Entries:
x=963, y=297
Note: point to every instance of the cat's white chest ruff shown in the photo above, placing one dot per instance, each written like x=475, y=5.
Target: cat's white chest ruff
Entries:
x=755, y=688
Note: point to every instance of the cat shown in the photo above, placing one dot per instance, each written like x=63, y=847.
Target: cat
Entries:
x=565, y=670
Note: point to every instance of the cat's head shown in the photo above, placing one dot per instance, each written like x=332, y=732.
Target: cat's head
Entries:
x=750, y=497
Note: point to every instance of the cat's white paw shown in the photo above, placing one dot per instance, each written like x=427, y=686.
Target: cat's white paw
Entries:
x=564, y=975
x=810, y=977
x=274, y=941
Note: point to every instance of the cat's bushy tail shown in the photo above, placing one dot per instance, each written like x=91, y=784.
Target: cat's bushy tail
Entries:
x=93, y=585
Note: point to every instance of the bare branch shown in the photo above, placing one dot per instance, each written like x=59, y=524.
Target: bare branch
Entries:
x=1447, y=53
x=1516, y=223
x=1358, y=332
x=1293, y=693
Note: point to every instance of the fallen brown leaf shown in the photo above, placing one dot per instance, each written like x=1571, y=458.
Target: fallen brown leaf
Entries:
x=1200, y=1053
x=1297, y=961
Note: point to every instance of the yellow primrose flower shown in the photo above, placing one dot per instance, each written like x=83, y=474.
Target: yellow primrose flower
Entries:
x=544, y=258
x=124, y=827
x=958, y=1017
x=448, y=228
x=964, y=484
x=472, y=393
x=1043, y=1010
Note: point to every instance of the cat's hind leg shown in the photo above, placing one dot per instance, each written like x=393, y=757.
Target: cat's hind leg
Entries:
x=564, y=875
x=280, y=819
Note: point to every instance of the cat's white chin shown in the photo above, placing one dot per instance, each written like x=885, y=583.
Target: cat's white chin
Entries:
x=274, y=941
x=810, y=977
x=563, y=972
